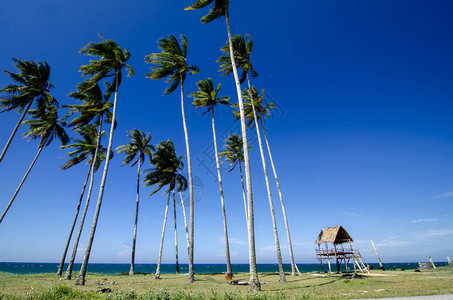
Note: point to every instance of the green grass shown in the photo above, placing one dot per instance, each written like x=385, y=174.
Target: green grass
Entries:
x=214, y=286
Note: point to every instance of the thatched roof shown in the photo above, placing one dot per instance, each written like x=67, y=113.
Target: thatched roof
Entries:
x=334, y=235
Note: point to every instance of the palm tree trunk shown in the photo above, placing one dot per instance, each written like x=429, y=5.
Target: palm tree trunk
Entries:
x=189, y=167
x=269, y=194
x=83, y=269
x=132, y=271
x=185, y=220
x=157, y=276
x=254, y=283
x=294, y=268
x=222, y=200
x=68, y=274
x=243, y=194
x=60, y=267
x=176, y=233
x=14, y=131
x=22, y=182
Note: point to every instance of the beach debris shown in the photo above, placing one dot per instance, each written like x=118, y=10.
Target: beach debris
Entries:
x=104, y=290
x=431, y=260
x=233, y=282
x=417, y=270
x=425, y=266
x=381, y=267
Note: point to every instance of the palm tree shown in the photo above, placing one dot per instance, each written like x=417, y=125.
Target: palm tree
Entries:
x=249, y=101
x=171, y=63
x=165, y=172
x=206, y=97
x=263, y=112
x=233, y=153
x=135, y=152
x=44, y=125
x=94, y=108
x=112, y=60
x=85, y=148
x=242, y=55
x=32, y=83
x=219, y=9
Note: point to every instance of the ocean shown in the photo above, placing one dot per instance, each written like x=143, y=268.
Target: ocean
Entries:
x=35, y=268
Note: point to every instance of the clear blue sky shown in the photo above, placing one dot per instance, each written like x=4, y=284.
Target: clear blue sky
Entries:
x=363, y=137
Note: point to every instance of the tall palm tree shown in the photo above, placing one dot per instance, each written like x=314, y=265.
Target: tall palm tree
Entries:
x=234, y=154
x=171, y=63
x=44, y=125
x=84, y=148
x=136, y=151
x=94, y=107
x=165, y=172
x=112, y=60
x=219, y=9
x=249, y=101
x=263, y=112
x=32, y=84
x=242, y=54
x=206, y=97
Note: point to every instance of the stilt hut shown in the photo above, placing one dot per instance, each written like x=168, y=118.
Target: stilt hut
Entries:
x=331, y=245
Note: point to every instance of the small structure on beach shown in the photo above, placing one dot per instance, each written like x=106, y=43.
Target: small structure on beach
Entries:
x=333, y=244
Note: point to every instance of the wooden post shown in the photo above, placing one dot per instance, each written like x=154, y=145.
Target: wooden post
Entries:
x=381, y=267
x=336, y=258
x=431, y=260
x=449, y=261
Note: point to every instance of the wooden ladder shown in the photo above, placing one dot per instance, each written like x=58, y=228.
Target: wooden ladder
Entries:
x=358, y=260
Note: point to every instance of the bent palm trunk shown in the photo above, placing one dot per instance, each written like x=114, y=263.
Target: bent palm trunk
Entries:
x=254, y=283
x=132, y=270
x=176, y=233
x=83, y=269
x=189, y=167
x=157, y=276
x=243, y=195
x=22, y=182
x=60, y=267
x=269, y=195
x=294, y=268
x=68, y=274
x=185, y=221
x=222, y=200
x=14, y=131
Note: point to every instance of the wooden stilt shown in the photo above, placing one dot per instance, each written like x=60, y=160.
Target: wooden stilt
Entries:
x=431, y=260
x=381, y=267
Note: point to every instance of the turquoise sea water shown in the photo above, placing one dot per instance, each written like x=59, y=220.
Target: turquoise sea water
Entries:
x=33, y=268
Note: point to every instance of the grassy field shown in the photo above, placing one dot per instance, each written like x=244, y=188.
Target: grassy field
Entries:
x=171, y=286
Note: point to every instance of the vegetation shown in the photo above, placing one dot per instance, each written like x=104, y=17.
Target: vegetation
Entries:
x=171, y=62
x=220, y=9
x=212, y=286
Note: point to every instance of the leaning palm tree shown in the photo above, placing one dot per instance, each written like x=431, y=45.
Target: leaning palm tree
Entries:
x=219, y=9
x=44, y=125
x=242, y=54
x=165, y=172
x=136, y=151
x=171, y=63
x=249, y=101
x=32, y=84
x=234, y=154
x=112, y=60
x=94, y=107
x=206, y=97
x=84, y=149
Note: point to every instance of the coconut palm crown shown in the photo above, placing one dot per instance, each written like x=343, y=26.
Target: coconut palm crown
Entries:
x=219, y=9
x=137, y=147
x=242, y=57
x=166, y=166
x=206, y=96
x=262, y=111
x=170, y=62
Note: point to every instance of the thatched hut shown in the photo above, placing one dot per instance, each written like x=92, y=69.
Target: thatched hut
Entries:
x=334, y=240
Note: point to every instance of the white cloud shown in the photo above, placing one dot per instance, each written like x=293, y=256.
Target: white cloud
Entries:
x=425, y=220
x=446, y=195
x=433, y=233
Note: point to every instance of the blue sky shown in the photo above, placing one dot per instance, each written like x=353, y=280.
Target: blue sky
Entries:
x=363, y=134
